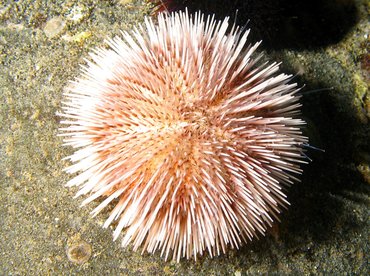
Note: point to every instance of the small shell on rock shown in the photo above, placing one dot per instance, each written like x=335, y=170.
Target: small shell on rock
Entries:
x=54, y=27
x=79, y=252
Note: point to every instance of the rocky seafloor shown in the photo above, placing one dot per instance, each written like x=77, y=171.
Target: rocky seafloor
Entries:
x=326, y=229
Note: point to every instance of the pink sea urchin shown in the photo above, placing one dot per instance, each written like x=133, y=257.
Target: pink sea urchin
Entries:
x=191, y=140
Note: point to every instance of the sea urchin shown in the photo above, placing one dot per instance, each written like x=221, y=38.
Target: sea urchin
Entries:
x=192, y=142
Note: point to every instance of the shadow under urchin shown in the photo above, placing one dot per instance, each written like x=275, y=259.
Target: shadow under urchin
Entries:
x=280, y=24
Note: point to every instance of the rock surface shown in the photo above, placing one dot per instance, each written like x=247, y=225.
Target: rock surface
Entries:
x=325, y=230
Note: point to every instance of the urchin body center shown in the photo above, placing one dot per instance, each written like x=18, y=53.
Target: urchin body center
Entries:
x=196, y=119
